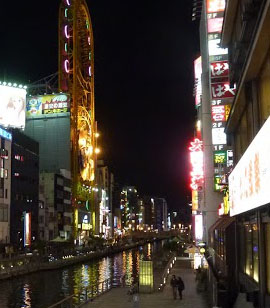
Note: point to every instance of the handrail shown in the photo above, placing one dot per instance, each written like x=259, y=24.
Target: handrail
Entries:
x=166, y=272
x=84, y=295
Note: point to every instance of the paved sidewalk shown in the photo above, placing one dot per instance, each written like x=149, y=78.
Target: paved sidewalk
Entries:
x=118, y=298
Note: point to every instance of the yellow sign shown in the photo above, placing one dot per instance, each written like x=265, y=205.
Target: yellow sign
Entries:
x=195, y=203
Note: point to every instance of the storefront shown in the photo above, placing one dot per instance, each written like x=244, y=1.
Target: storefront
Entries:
x=249, y=204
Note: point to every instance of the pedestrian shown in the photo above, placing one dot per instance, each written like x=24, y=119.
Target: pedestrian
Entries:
x=136, y=300
x=174, y=283
x=180, y=286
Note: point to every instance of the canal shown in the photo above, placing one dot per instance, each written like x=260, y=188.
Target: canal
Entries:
x=41, y=289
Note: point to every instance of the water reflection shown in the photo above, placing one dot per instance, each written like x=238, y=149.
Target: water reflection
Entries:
x=40, y=290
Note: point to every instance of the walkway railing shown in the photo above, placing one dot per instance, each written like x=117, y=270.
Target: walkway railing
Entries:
x=166, y=272
x=83, y=296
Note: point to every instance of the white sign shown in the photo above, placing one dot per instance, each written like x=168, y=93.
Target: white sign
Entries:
x=12, y=106
x=198, y=227
x=249, y=180
x=214, y=48
x=218, y=136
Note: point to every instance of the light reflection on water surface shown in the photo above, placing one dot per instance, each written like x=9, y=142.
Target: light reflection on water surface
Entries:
x=39, y=290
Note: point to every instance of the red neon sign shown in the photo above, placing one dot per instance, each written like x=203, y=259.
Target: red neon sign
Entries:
x=218, y=113
x=196, y=159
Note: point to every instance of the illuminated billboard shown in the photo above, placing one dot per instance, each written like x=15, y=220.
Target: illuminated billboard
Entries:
x=214, y=6
x=222, y=90
x=218, y=113
x=218, y=136
x=198, y=227
x=214, y=25
x=196, y=159
x=249, y=180
x=220, y=157
x=214, y=48
x=12, y=106
x=47, y=104
x=219, y=69
x=198, y=80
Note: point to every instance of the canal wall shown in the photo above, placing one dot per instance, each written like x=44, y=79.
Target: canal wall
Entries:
x=16, y=267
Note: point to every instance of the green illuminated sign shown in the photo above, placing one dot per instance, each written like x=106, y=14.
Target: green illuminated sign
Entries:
x=220, y=157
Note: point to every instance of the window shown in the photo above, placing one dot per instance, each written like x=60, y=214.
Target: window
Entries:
x=255, y=252
x=251, y=251
x=248, y=240
x=3, y=214
x=6, y=193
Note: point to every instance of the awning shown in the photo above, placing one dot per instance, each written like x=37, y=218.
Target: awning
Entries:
x=221, y=224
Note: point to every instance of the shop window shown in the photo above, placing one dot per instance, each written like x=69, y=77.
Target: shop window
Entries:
x=267, y=255
x=242, y=248
x=248, y=241
x=255, y=252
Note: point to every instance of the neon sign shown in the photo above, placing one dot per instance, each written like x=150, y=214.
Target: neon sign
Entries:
x=196, y=159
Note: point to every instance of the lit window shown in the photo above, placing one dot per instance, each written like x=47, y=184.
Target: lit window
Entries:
x=16, y=174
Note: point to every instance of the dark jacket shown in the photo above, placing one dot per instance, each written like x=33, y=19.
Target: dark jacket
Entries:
x=174, y=282
x=180, y=284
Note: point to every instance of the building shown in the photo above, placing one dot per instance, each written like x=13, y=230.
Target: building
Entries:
x=246, y=34
x=24, y=190
x=161, y=214
x=129, y=208
x=105, y=184
x=149, y=212
x=5, y=186
x=55, y=213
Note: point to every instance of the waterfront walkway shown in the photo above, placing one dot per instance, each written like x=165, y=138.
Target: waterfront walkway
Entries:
x=117, y=297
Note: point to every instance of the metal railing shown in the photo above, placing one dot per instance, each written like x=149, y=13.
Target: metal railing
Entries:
x=166, y=272
x=83, y=296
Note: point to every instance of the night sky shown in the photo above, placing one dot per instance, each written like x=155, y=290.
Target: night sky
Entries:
x=144, y=52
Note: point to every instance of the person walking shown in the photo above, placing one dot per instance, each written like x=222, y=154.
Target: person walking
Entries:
x=180, y=287
x=174, y=284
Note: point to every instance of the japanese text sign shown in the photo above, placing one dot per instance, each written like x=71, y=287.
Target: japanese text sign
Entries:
x=196, y=159
x=218, y=113
x=249, y=180
x=221, y=90
x=219, y=69
x=220, y=157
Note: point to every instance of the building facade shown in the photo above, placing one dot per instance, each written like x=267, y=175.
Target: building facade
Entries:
x=24, y=190
x=246, y=34
x=5, y=186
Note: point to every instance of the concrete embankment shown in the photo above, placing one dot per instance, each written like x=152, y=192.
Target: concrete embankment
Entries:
x=13, y=268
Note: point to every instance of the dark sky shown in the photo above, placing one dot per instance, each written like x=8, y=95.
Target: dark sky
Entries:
x=144, y=52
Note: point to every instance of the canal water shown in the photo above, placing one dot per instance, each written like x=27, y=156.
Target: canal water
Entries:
x=42, y=289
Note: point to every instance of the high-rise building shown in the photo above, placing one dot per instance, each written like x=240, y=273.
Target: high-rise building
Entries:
x=105, y=186
x=161, y=214
x=129, y=208
x=5, y=186
x=24, y=190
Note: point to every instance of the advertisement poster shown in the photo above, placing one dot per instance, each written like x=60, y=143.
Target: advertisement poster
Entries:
x=12, y=107
x=47, y=104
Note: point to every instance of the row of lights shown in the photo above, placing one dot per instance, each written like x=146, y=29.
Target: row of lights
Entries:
x=168, y=271
x=15, y=85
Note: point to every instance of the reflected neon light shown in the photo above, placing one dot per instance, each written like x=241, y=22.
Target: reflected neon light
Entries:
x=68, y=2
